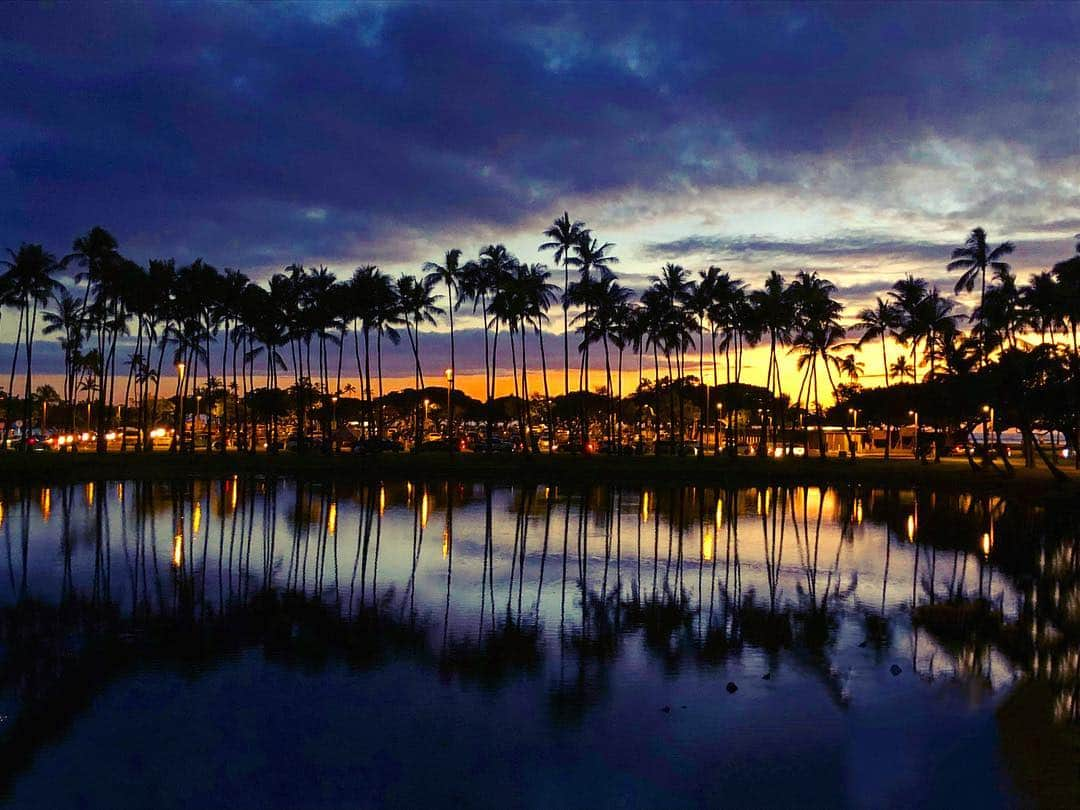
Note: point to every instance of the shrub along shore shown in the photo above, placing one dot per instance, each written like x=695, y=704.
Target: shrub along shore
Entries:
x=951, y=475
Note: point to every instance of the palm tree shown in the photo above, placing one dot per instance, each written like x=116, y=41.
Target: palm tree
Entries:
x=879, y=322
x=901, y=369
x=563, y=236
x=450, y=274
x=29, y=283
x=1067, y=274
x=974, y=257
x=417, y=300
x=774, y=313
x=98, y=253
x=539, y=294
x=65, y=319
x=908, y=294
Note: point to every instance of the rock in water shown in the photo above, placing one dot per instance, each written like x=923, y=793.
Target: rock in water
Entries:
x=732, y=688
x=666, y=710
x=895, y=670
x=767, y=676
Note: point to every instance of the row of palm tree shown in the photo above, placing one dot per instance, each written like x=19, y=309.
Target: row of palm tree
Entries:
x=218, y=325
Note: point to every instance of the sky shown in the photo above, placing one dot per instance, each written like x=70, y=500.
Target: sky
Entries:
x=862, y=141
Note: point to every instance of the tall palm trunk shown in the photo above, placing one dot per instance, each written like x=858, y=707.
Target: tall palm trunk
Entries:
x=547, y=393
x=11, y=376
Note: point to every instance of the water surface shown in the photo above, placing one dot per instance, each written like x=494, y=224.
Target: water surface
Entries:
x=254, y=643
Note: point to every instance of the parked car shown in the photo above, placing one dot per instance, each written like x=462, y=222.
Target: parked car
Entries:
x=441, y=445
x=376, y=445
x=495, y=444
x=667, y=447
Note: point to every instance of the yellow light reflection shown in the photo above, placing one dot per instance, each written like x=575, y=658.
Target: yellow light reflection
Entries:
x=196, y=519
x=1, y=514
x=382, y=500
x=178, y=549
x=89, y=493
x=911, y=526
x=986, y=543
x=46, y=504
x=445, y=543
x=232, y=494
x=645, y=506
x=424, y=510
x=120, y=492
x=857, y=512
x=707, y=545
x=719, y=513
x=331, y=518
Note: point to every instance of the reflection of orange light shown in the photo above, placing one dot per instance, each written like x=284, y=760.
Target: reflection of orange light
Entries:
x=196, y=519
x=120, y=492
x=445, y=543
x=178, y=549
x=1, y=514
x=911, y=526
x=331, y=519
x=986, y=544
x=382, y=500
x=707, y=545
x=856, y=513
x=89, y=492
x=232, y=494
x=644, y=506
x=424, y=510
x=719, y=513
x=46, y=504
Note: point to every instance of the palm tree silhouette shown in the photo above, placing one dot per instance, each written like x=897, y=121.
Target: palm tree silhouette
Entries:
x=449, y=273
x=974, y=257
x=563, y=236
x=879, y=322
x=29, y=282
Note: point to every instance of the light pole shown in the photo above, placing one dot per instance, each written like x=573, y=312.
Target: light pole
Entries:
x=195, y=421
x=988, y=427
x=179, y=430
x=449, y=404
x=716, y=428
x=44, y=414
x=915, y=442
x=854, y=427
x=423, y=427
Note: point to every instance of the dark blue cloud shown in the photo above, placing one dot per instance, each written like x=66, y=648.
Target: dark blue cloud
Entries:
x=256, y=134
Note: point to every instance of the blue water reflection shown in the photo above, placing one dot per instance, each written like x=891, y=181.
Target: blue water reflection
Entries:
x=250, y=642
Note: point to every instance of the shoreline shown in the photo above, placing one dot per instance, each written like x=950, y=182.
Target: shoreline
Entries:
x=950, y=475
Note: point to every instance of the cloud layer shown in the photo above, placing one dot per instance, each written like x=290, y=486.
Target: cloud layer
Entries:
x=859, y=138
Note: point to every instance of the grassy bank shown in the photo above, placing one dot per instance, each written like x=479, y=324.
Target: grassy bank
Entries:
x=951, y=474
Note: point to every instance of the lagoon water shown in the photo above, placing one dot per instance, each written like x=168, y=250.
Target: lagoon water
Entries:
x=267, y=643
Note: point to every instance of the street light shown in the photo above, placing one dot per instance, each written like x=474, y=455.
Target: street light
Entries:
x=915, y=443
x=179, y=430
x=988, y=425
x=854, y=418
x=449, y=373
